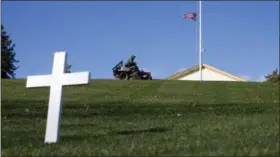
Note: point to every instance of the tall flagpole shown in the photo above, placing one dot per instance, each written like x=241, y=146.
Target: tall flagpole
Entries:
x=200, y=40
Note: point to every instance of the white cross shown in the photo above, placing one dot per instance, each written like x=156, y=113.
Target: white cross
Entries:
x=55, y=81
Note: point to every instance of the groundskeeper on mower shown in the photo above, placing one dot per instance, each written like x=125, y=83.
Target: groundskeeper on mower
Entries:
x=122, y=72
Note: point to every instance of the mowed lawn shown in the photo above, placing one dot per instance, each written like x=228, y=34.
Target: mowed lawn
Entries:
x=144, y=118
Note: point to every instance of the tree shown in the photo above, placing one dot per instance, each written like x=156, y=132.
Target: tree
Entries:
x=274, y=77
x=8, y=54
x=68, y=68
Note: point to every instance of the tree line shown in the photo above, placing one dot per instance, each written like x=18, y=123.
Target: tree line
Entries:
x=8, y=60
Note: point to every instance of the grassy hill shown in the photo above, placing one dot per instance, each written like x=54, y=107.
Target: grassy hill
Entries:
x=145, y=118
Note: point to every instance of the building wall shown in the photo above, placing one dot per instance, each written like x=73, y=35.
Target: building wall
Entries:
x=207, y=75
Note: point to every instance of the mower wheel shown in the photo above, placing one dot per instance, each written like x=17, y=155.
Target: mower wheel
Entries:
x=123, y=76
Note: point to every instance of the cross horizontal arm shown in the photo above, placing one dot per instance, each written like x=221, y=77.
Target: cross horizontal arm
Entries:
x=38, y=81
x=76, y=78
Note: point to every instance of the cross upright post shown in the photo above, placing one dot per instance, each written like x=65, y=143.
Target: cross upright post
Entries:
x=56, y=81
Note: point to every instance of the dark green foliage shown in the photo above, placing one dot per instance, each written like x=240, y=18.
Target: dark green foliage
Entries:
x=8, y=54
x=148, y=118
x=274, y=77
x=68, y=68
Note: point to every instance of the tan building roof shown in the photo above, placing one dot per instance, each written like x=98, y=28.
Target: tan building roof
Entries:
x=204, y=66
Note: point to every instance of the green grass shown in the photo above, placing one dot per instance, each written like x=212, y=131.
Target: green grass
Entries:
x=144, y=118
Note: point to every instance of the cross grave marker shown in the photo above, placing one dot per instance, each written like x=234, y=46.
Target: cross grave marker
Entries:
x=56, y=81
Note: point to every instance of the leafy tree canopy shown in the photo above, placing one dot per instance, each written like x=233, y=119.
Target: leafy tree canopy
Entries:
x=8, y=54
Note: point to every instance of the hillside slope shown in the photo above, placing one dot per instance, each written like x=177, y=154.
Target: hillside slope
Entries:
x=149, y=92
x=161, y=117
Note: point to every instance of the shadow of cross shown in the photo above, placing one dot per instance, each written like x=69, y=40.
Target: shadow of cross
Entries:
x=55, y=81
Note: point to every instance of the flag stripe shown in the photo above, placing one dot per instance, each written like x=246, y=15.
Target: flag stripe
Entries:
x=190, y=16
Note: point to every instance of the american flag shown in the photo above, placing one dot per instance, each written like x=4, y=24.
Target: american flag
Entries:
x=190, y=16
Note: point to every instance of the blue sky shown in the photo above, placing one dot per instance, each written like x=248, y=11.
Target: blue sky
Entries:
x=241, y=38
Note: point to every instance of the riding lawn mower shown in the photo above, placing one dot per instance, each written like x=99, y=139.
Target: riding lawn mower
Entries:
x=121, y=72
